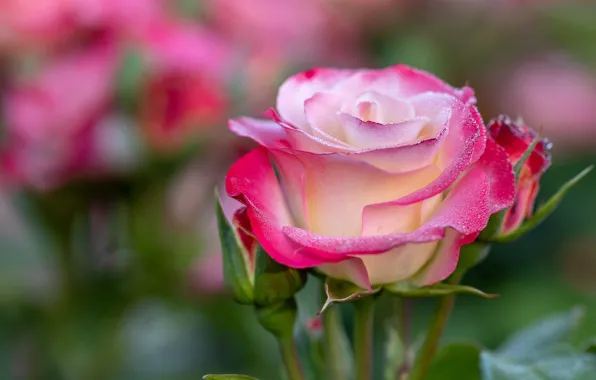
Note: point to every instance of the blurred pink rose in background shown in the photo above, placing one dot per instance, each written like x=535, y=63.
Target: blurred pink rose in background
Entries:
x=185, y=87
x=273, y=38
x=556, y=95
x=43, y=23
x=50, y=117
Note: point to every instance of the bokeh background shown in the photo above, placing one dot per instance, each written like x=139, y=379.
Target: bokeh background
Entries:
x=113, y=119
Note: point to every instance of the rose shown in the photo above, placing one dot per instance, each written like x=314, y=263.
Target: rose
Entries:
x=184, y=89
x=371, y=176
x=516, y=138
x=52, y=119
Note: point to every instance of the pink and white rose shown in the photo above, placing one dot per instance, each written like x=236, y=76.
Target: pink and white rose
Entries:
x=371, y=176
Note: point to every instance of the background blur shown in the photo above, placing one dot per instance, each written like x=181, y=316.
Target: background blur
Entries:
x=114, y=135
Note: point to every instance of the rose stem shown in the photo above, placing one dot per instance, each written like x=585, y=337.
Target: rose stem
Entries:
x=363, y=337
x=425, y=356
x=332, y=340
x=290, y=357
x=403, y=308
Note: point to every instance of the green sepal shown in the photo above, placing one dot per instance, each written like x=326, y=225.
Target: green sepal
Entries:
x=404, y=289
x=228, y=377
x=274, y=282
x=236, y=260
x=495, y=222
x=543, y=211
x=339, y=291
x=279, y=318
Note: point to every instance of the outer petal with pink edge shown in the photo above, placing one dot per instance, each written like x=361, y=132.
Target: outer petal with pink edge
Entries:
x=485, y=189
x=499, y=194
x=252, y=181
x=404, y=81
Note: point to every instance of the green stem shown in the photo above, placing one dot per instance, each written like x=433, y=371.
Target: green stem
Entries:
x=332, y=341
x=363, y=337
x=403, y=312
x=290, y=358
x=426, y=353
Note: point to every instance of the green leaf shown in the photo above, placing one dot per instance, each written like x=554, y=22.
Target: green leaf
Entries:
x=228, y=377
x=275, y=282
x=342, y=291
x=542, y=335
x=458, y=361
x=235, y=259
x=494, y=367
x=543, y=211
x=404, y=289
x=540, y=352
x=570, y=366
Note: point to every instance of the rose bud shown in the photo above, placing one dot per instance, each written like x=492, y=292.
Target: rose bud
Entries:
x=370, y=176
x=252, y=275
x=516, y=138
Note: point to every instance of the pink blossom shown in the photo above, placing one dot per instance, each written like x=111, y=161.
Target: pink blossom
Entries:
x=50, y=118
x=185, y=86
x=373, y=169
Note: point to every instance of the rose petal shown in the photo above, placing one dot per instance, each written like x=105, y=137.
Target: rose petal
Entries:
x=321, y=112
x=445, y=259
x=372, y=135
x=300, y=87
x=352, y=269
x=292, y=177
x=339, y=187
x=252, y=181
x=265, y=132
x=487, y=188
x=379, y=108
x=401, y=81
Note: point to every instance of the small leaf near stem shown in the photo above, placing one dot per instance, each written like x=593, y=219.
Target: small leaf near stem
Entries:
x=363, y=337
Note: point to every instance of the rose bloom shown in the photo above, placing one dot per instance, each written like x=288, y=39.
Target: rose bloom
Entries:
x=515, y=138
x=44, y=23
x=51, y=118
x=185, y=88
x=371, y=176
